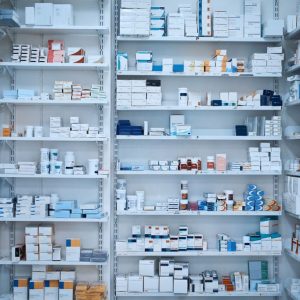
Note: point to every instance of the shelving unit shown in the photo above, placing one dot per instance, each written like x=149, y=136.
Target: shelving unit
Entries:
x=94, y=33
x=144, y=148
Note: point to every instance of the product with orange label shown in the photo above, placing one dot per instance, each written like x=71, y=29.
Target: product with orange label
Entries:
x=73, y=250
x=20, y=288
x=36, y=290
x=6, y=131
x=66, y=290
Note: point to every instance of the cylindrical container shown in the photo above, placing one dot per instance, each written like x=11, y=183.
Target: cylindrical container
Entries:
x=183, y=96
x=53, y=154
x=121, y=194
x=93, y=166
x=58, y=167
x=184, y=204
x=69, y=159
x=121, y=205
x=6, y=131
x=44, y=154
x=184, y=184
x=29, y=131
x=229, y=195
x=184, y=194
x=38, y=131
x=45, y=167
x=52, y=167
x=146, y=128
x=121, y=184
x=140, y=200
x=210, y=163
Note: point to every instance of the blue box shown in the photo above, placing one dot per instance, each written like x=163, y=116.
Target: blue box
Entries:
x=179, y=68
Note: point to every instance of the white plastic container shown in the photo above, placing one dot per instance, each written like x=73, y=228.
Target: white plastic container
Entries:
x=93, y=166
x=44, y=154
x=29, y=131
x=45, y=167
x=53, y=154
x=38, y=131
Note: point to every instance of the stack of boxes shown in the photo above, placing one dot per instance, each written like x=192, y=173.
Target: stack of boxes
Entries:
x=39, y=242
x=27, y=168
x=220, y=22
x=158, y=24
x=266, y=160
x=73, y=250
x=190, y=20
x=270, y=62
x=125, y=128
x=204, y=17
x=252, y=25
x=77, y=92
x=175, y=25
x=62, y=90
x=135, y=17
x=254, y=198
x=65, y=209
x=139, y=92
x=76, y=55
x=6, y=208
x=273, y=127
x=56, y=52
x=26, y=53
x=97, y=92
x=21, y=288
x=292, y=195
x=235, y=26
x=144, y=61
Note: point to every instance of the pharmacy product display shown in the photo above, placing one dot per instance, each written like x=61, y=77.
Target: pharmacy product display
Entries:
x=40, y=246
x=262, y=159
x=175, y=278
x=291, y=195
x=293, y=287
x=157, y=239
x=46, y=282
x=144, y=19
x=293, y=244
x=259, y=63
x=55, y=53
x=48, y=206
x=149, y=93
x=50, y=164
x=227, y=201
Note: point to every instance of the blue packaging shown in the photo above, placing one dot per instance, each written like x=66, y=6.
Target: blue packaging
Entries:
x=75, y=216
x=157, y=68
x=179, y=68
x=62, y=214
x=65, y=204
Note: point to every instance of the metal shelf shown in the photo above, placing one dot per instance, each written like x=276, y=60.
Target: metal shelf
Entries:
x=219, y=294
x=293, y=103
x=294, y=137
x=51, y=139
x=76, y=29
x=293, y=69
x=87, y=101
x=292, y=255
x=294, y=35
x=208, y=253
x=195, y=173
x=101, y=175
x=293, y=215
x=198, y=108
x=200, y=213
x=198, y=138
x=290, y=173
x=5, y=261
x=55, y=220
x=53, y=66
x=196, y=39
x=203, y=74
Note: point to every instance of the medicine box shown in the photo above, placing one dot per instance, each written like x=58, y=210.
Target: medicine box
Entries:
x=20, y=288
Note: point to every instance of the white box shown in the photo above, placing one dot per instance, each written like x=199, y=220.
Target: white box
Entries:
x=45, y=230
x=51, y=292
x=20, y=293
x=31, y=256
x=151, y=284
x=180, y=286
x=53, y=275
x=65, y=294
x=166, y=284
x=36, y=294
x=29, y=16
x=135, y=284
x=121, y=283
x=43, y=14
x=63, y=14
x=31, y=230
x=72, y=253
x=147, y=267
x=67, y=275
x=38, y=276
x=45, y=256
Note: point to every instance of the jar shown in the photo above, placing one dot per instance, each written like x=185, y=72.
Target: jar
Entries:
x=29, y=131
x=183, y=164
x=194, y=163
x=210, y=163
x=184, y=204
x=184, y=184
x=184, y=194
x=6, y=131
x=183, y=97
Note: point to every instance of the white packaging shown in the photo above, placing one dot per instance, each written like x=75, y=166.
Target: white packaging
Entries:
x=135, y=284
x=151, y=284
x=166, y=284
x=63, y=15
x=29, y=16
x=43, y=14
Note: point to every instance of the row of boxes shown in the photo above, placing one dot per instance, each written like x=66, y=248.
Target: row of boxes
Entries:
x=139, y=92
x=226, y=25
x=292, y=195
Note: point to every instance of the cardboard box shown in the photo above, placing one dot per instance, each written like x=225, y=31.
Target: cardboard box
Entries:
x=43, y=14
x=166, y=284
x=151, y=284
x=147, y=267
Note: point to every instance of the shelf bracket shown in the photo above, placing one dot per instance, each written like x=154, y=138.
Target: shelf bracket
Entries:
x=7, y=181
x=10, y=72
x=8, y=33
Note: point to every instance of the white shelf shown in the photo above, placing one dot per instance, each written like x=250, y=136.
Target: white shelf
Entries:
x=292, y=296
x=293, y=137
x=198, y=138
x=195, y=173
x=203, y=74
x=51, y=139
x=76, y=29
x=292, y=255
x=293, y=215
x=198, y=108
x=52, y=66
x=220, y=294
x=55, y=220
x=196, y=39
x=290, y=173
x=88, y=101
x=5, y=261
x=209, y=253
x=294, y=35
x=101, y=175
x=293, y=103
x=200, y=213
